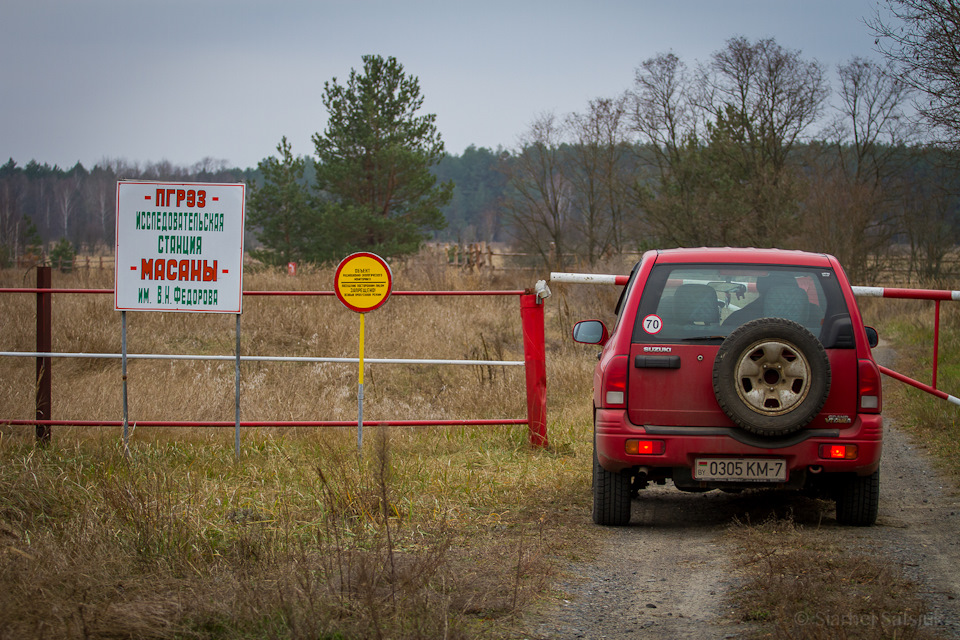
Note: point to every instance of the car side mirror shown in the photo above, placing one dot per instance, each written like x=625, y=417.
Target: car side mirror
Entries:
x=873, y=338
x=590, y=332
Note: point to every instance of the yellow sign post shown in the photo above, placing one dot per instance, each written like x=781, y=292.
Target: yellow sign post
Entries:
x=363, y=283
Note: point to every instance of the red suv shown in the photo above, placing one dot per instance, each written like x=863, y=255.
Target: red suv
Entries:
x=731, y=369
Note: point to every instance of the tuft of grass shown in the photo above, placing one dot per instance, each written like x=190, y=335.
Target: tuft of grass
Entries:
x=802, y=584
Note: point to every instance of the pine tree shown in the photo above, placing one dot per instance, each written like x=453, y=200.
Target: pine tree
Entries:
x=280, y=210
x=375, y=157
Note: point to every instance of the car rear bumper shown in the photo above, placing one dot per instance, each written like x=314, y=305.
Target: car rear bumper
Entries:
x=683, y=445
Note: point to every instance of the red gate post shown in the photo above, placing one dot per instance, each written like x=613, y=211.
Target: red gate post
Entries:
x=936, y=343
x=44, y=345
x=534, y=355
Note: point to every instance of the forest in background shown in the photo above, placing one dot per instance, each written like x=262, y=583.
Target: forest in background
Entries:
x=756, y=147
x=42, y=204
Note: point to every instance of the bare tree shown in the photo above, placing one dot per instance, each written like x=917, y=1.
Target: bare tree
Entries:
x=211, y=169
x=846, y=218
x=599, y=170
x=776, y=92
x=872, y=125
x=66, y=192
x=853, y=201
x=768, y=97
x=43, y=202
x=539, y=215
x=664, y=116
x=100, y=192
x=13, y=193
x=722, y=142
x=929, y=207
x=922, y=38
x=663, y=111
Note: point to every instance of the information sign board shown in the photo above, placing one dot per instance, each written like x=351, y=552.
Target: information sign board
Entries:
x=179, y=247
x=363, y=282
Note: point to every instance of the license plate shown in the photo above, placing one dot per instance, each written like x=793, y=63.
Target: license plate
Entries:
x=740, y=469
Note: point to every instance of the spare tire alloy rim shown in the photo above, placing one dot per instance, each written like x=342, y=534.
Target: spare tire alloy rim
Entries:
x=772, y=377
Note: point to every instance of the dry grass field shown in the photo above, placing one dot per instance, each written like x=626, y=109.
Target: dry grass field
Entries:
x=444, y=532
x=432, y=532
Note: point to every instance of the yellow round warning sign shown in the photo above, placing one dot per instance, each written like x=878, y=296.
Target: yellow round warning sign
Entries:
x=363, y=282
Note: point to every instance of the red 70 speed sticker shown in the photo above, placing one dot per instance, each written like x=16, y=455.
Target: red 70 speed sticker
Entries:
x=652, y=324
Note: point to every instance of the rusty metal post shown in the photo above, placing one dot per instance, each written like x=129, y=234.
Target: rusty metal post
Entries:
x=44, y=345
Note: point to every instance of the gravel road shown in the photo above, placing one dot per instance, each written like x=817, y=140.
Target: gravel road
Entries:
x=667, y=575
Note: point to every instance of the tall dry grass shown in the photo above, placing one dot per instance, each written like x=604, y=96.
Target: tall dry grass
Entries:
x=433, y=532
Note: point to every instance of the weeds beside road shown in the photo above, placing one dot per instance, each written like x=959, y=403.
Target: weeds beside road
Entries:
x=424, y=537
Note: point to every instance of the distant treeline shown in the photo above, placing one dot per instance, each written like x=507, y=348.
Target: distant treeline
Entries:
x=42, y=204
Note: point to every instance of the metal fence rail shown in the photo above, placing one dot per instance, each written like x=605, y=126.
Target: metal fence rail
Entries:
x=534, y=363
x=185, y=356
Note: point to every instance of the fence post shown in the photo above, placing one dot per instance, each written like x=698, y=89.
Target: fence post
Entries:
x=534, y=355
x=44, y=345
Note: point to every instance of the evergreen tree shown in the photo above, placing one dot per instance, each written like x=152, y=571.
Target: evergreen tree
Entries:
x=374, y=160
x=281, y=211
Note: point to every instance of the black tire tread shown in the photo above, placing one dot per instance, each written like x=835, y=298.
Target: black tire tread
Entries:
x=611, y=496
x=858, y=500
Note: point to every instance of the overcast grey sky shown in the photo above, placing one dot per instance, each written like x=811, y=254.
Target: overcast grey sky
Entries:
x=181, y=80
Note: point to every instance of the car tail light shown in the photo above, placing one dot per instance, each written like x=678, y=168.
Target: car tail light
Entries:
x=839, y=451
x=644, y=447
x=869, y=386
x=615, y=382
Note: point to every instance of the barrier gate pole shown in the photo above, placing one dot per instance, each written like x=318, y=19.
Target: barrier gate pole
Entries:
x=534, y=353
x=936, y=342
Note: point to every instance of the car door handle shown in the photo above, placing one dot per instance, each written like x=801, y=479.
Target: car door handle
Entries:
x=657, y=362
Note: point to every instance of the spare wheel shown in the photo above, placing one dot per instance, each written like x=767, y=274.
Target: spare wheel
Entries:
x=771, y=376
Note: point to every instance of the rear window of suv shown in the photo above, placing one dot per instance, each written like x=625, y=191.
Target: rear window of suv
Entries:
x=686, y=303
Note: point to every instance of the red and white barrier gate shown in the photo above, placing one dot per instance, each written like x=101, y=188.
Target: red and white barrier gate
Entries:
x=937, y=295
x=917, y=294
x=534, y=363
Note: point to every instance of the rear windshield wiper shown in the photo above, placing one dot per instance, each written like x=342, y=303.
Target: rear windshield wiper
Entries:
x=702, y=338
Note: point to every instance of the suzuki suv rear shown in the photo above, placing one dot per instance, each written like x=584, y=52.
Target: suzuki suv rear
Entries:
x=736, y=368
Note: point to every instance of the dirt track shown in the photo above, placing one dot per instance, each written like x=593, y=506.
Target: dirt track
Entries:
x=668, y=573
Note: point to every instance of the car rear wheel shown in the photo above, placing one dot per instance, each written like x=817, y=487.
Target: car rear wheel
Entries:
x=771, y=376
x=611, y=495
x=858, y=500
